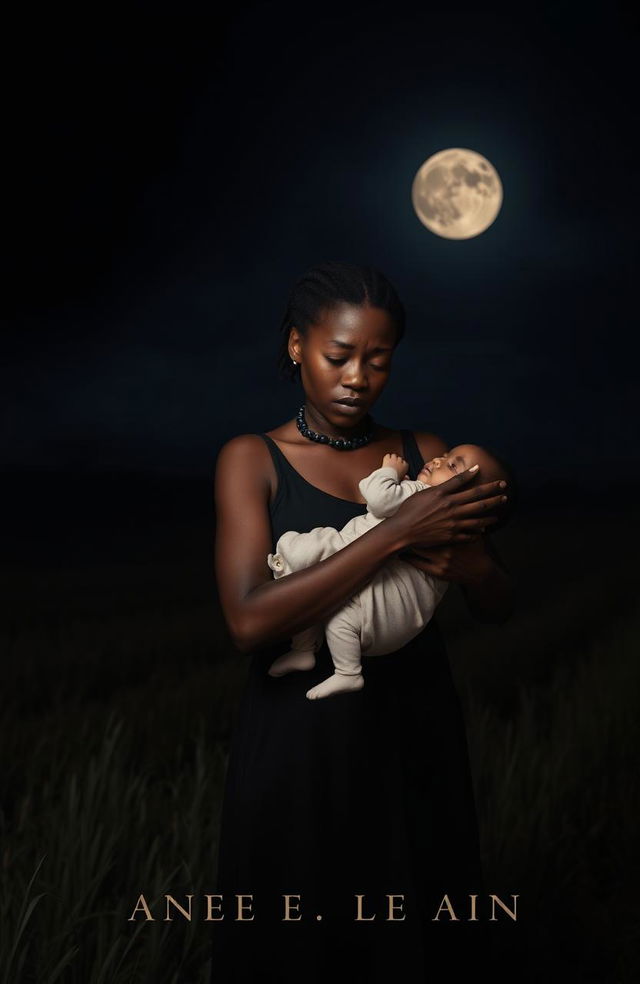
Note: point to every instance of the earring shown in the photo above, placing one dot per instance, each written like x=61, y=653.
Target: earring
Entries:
x=294, y=362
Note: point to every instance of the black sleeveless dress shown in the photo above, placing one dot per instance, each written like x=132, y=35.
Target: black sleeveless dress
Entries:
x=366, y=793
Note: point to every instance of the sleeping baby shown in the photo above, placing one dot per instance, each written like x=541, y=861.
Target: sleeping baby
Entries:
x=399, y=600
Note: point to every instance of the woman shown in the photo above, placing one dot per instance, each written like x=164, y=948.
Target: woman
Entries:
x=367, y=794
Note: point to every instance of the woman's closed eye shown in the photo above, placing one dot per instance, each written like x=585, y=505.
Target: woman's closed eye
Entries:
x=340, y=362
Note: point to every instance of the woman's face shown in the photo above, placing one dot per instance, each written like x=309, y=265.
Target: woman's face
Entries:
x=344, y=356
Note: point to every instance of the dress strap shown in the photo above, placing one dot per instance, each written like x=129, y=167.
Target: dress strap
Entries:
x=411, y=452
x=279, y=462
x=273, y=449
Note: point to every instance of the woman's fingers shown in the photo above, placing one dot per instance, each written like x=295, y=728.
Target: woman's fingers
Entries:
x=452, y=514
x=479, y=508
x=475, y=525
x=477, y=492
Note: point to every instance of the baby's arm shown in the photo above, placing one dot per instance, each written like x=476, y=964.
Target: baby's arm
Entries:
x=384, y=490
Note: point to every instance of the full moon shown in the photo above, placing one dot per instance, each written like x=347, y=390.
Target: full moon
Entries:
x=457, y=193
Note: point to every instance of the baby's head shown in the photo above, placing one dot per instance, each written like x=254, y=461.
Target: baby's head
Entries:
x=460, y=459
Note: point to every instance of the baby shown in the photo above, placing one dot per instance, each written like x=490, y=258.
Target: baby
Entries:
x=398, y=601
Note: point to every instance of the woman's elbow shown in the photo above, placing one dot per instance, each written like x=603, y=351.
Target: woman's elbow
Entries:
x=245, y=635
x=240, y=637
x=247, y=623
x=240, y=643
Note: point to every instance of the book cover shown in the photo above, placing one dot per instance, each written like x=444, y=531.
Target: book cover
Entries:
x=171, y=173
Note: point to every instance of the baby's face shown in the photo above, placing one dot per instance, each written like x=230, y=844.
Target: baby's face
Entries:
x=457, y=460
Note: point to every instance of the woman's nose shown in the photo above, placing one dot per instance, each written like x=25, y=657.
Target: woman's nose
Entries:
x=354, y=375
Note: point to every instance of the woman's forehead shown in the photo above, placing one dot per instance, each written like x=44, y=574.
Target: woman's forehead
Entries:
x=352, y=322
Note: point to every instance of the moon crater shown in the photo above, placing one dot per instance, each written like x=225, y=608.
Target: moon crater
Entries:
x=457, y=193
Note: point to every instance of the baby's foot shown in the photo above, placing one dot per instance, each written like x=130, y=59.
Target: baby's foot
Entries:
x=336, y=684
x=295, y=659
x=392, y=460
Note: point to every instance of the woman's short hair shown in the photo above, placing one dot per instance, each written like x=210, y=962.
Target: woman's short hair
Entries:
x=324, y=287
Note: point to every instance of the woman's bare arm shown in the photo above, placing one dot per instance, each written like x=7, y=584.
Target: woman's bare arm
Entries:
x=259, y=610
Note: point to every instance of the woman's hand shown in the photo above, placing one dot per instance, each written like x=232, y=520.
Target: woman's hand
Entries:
x=464, y=563
x=476, y=567
x=448, y=513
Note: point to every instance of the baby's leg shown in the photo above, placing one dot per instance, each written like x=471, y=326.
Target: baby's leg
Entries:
x=302, y=550
x=342, y=631
x=301, y=656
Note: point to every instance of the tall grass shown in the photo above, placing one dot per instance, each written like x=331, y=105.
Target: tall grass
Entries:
x=558, y=796
x=88, y=838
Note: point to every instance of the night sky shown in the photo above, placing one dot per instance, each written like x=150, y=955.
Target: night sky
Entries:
x=172, y=172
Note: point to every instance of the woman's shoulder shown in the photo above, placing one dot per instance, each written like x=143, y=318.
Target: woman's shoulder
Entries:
x=429, y=444
x=249, y=459
x=244, y=461
x=242, y=449
x=245, y=446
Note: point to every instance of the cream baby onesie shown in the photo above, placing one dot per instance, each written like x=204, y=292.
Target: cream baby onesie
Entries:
x=384, y=615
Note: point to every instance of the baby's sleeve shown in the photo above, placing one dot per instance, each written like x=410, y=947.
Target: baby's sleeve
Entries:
x=385, y=493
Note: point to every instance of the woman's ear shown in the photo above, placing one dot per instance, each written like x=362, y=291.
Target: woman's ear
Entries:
x=295, y=351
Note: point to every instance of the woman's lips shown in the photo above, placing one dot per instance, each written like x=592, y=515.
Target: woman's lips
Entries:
x=349, y=407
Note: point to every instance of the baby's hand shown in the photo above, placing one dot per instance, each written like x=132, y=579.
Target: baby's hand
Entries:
x=392, y=460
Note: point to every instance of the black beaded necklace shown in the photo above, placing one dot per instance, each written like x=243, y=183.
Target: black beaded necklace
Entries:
x=340, y=443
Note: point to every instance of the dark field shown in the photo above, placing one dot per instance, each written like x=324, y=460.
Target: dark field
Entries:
x=119, y=688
